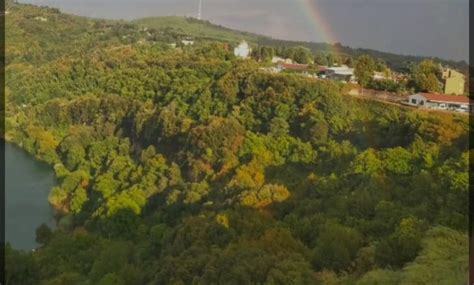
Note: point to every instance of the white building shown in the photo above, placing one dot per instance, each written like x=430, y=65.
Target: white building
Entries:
x=441, y=102
x=41, y=19
x=342, y=73
x=277, y=59
x=187, y=42
x=243, y=50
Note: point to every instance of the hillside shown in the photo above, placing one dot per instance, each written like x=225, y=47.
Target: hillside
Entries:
x=190, y=166
x=36, y=35
x=204, y=29
x=192, y=27
x=169, y=29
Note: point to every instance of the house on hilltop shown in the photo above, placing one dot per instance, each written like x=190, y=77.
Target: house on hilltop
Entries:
x=441, y=102
x=187, y=42
x=41, y=19
x=242, y=50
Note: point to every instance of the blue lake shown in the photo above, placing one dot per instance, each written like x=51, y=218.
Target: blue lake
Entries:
x=27, y=185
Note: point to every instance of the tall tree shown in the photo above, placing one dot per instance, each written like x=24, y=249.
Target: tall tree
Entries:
x=364, y=69
x=425, y=76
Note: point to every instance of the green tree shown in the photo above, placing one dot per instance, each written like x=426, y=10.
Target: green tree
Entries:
x=79, y=198
x=20, y=267
x=403, y=245
x=265, y=196
x=302, y=55
x=43, y=234
x=398, y=160
x=380, y=276
x=321, y=59
x=367, y=163
x=336, y=247
x=443, y=259
x=364, y=69
x=425, y=76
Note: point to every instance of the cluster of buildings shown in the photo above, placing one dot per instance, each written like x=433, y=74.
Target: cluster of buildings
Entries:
x=453, y=81
x=441, y=102
x=339, y=73
x=451, y=100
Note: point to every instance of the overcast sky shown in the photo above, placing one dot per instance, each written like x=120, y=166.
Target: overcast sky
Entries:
x=416, y=27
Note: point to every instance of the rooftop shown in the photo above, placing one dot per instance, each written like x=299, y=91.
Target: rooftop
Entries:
x=342, y=70
x=446, y=98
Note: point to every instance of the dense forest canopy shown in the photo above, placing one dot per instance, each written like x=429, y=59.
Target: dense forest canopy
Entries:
x=189, y=166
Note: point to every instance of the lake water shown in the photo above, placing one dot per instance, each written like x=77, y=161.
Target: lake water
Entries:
x=27, y=185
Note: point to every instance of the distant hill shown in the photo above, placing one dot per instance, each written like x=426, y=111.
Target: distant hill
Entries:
x=207, y=30
x=36, y=35
x=182, y=26
x=64, y=32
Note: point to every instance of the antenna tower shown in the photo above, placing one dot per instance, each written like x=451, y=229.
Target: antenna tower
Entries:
x=200, y=10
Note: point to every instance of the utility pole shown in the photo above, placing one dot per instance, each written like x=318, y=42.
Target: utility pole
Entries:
x=200, y=10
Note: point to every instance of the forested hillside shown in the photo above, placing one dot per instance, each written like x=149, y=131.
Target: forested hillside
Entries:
x=182, y=27
x=189, y=166
x=197, y=28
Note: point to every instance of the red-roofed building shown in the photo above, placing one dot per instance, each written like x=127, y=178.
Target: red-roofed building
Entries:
x=441, y=102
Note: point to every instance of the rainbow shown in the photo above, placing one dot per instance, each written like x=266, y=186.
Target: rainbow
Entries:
x=317, y=20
